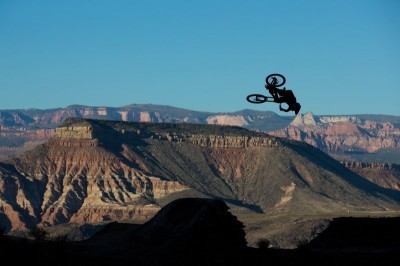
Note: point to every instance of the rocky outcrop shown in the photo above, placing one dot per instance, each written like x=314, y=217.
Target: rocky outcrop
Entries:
x=226, y=119
x=372, y=166
x=91, y=213
x=307, y=120
x=74, y=132
x=342, y=134
x=383, y=174
x=211, y=141
x=338, y=118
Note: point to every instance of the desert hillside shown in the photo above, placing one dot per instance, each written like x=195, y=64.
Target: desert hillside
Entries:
x=96, y=170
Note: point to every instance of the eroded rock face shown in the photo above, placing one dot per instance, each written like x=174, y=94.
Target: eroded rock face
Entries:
x=231, y=120
x=74, y=132
x=72, y=178
x=383, y=174
x=232, y=142
x=342, y=133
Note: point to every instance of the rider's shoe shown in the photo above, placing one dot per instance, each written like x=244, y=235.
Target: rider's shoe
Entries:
x=297, y=108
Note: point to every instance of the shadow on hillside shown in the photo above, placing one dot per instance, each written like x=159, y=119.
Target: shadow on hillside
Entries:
x=197, y=231
x=315, y=155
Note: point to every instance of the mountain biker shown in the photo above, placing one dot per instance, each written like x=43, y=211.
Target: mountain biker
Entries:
x=283, y=96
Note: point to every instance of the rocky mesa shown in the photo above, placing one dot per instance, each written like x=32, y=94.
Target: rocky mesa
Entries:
x=97, y=170
x=21, y=130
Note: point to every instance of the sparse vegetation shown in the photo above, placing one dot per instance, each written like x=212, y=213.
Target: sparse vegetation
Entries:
x=172, y=128
x=302, y=243
x=59, y=238
x=37, y=233
x=263, y=243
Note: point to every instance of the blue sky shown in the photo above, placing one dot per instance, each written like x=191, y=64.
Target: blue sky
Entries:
x=339, y=57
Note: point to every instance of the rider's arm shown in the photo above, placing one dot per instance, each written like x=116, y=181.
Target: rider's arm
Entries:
x=281, y=92
x=272, y=90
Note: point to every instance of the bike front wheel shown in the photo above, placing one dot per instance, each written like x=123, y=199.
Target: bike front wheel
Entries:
x=257, y=98
x=275, y=80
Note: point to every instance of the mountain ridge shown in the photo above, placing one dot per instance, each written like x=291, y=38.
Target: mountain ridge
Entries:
x=101, y=170
x=346, y=137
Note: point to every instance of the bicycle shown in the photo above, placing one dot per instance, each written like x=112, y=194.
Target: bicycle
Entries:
x=273, y=81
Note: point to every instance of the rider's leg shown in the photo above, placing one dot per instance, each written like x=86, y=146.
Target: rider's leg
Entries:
x=279, y=99
x=283, y=109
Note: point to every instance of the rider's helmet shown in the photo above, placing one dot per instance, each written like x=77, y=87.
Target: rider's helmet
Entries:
x=274, y=81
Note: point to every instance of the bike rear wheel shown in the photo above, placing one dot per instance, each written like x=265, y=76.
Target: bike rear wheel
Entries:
x=257, y=98
x=280, y=80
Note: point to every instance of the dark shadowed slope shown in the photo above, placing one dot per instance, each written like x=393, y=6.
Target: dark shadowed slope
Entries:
x=203, y=232
x=364, y=234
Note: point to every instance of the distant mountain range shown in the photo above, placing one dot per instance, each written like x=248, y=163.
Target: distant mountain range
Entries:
x=367, y=138
x=370, y=138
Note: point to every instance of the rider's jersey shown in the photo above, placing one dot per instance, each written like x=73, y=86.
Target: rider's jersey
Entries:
x=287, y=96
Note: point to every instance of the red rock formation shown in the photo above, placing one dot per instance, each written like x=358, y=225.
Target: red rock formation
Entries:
x=342, y=134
